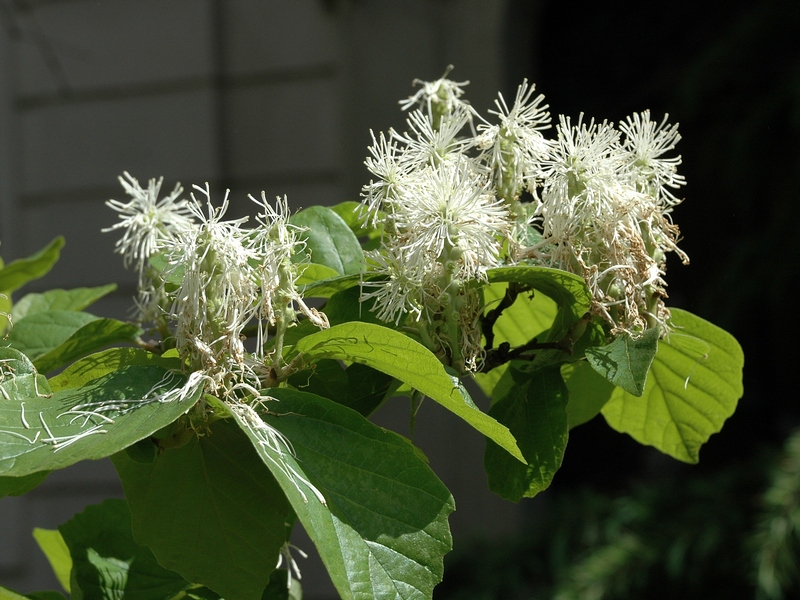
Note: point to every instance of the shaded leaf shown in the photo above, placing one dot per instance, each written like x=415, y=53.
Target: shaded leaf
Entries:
x=359, y=387
x=43, y=332
x=55, y=338
x=324, y=378
x=215, y=496
x=17, y=486
x=367, y=388
x=626, y=361
x=694, y=384
x=588, y=392
x=108, y=563
x=534, y=410
x=89, y=338
x=382, y=528
x=401, y=357
x=279, y=587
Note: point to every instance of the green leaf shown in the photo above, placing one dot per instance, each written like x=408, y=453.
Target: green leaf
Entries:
x=5, y=309
x=626, y=361
x=43, y=332
x=367, y=388
x=52, y=544
x=359, y=387
x=324, y=378
x=346, y=306
x=401, y=357
x=349, y=211
x=328, y=287
x=694, y=384
x=209, y=510
x=7, y=594
x=329, y=240
x=74, y=299
x=98, y=364
x=381, y=529
x=524, y=320
x=18, y=376
x=535, y=412
x=108, y=563
x=279, y=587
x=17, y=486
x=48, y=431
x=567, y=290
x=588, y=392
x=19, y=272
x=54, y=338
x=311, y=272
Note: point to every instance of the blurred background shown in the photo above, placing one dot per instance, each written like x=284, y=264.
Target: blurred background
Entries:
x=280, y=95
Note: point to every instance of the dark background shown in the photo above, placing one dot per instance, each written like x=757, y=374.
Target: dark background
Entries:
x=729, y=73
x=210, y=91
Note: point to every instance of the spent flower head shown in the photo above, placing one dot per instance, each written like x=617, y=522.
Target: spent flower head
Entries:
x=600, y=221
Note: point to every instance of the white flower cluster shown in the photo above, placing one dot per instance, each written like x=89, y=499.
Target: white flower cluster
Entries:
x=449, y=200
x=605, y=214
x=216, y=278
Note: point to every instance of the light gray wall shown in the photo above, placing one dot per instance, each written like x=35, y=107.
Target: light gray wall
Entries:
x=248, y=94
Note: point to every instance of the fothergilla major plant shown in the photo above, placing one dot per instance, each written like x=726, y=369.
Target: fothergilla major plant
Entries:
x=526, y=255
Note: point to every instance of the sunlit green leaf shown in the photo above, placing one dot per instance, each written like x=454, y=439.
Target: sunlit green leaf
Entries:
x=350, y=212
x=98, y=364
x=693, y=386
x=7, y=594
x=52, y=544
x=401, y=357
x=522, y=321
x=567, y=290
x=311, y=272
x=74, y=299
x=47, y=431
x=19, y=272
x=5, y=309
x=329, y=240
x=376, y=512
x=328, y=287
x=209, y=510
